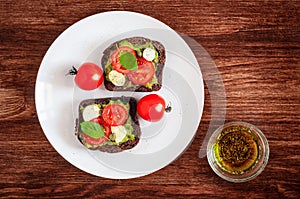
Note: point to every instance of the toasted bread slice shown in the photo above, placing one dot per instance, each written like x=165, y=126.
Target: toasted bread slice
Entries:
x=132, y=123
x=159, y=65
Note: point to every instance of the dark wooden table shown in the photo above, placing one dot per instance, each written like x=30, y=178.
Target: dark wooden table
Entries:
x=256, y=46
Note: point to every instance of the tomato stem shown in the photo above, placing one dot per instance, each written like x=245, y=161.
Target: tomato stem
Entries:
x=72, y=71
x=168, y=109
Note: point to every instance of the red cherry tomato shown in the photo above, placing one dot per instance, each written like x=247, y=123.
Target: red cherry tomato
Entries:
x=151, y=107
x=88, y=76
x=101, y=140
x=115, y=114
x=115, y=58
x=144, y=74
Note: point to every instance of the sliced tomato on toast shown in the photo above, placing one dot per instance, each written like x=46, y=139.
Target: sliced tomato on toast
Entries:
x=143, y=74
x=115, y=58
x=115, y=114
x=101, y=140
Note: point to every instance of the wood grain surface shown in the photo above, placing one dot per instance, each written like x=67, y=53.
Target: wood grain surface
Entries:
x=256, y=47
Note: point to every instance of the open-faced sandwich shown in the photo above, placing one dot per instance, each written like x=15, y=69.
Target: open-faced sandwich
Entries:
x=133, y=64
x=108, y=124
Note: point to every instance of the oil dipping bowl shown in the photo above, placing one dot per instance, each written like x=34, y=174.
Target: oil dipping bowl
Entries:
x=238, y=151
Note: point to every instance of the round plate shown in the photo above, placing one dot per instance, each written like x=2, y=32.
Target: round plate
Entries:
x=57, y=98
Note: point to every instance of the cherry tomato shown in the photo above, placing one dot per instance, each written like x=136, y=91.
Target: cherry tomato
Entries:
x=88, y=76
x=151, y=107
x=144, y=74
x=115, y=58
x=101, y=140
x=115, y=114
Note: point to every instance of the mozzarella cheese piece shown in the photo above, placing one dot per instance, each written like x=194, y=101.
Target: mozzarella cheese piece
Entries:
x=118, y=79
x=149, y=54
x=119, y=132
x=90, y=112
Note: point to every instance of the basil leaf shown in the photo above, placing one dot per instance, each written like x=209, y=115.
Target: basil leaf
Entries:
x=128, y=61
x=92, y=129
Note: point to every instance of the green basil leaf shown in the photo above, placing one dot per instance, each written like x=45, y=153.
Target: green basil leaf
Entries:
x=92, y=129
x=128, y=61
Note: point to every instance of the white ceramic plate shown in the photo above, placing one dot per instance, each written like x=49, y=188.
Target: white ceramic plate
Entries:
x=57, y=98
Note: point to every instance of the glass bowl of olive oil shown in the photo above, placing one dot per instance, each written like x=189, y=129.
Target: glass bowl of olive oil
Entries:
x=238, y=151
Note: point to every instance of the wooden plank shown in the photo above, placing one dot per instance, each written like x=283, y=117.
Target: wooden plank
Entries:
x=256, y=47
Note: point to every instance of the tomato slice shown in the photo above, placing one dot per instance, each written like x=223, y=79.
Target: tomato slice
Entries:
x=115, y=58
x=115, y=114
x=100, y=120
x=94, y=141
x=101, y=140
x=143, y=74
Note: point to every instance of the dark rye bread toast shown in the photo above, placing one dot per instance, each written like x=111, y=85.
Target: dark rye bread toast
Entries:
x=109, y=146
x=159, y=66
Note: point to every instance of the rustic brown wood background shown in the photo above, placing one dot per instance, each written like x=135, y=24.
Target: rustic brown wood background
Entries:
x=256, y=46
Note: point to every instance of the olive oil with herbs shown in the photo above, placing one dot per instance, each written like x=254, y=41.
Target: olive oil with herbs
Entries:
x=236, y=149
